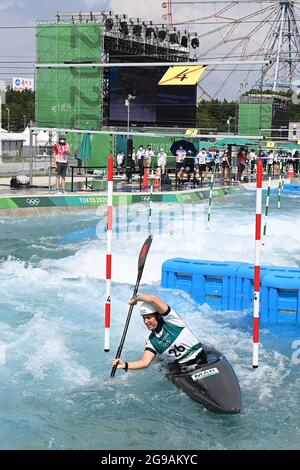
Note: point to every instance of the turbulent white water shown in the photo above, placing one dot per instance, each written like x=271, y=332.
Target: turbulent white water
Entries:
x=55, y=387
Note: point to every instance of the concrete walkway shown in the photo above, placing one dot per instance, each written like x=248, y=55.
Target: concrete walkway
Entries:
x=42, y=186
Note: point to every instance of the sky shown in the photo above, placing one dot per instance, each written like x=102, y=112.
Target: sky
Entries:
x=17, y=44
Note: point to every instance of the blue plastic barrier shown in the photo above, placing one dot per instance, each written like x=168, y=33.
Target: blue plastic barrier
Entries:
x=208, y=282
x=245, y=286
x=291, y=187
x=283, y=297
x=230, y=286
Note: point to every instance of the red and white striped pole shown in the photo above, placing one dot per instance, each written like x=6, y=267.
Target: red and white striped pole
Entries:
x=110, y=174
x=257, y=263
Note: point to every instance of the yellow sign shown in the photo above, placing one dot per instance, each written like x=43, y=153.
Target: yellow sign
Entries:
x=191, y=132
x=182, y=75
x=298, y=142
x=270, y=144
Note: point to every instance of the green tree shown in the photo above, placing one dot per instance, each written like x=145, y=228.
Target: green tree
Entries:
x=21, y=109
x=214, y=114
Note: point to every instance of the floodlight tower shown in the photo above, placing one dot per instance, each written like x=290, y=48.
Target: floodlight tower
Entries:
x=283, y=50
x=256, y=29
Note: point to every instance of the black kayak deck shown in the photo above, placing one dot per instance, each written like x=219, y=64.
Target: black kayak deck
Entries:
x=212, y=383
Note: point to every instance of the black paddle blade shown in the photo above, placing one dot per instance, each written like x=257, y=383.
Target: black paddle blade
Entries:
x=113, y=370
x=144, y=252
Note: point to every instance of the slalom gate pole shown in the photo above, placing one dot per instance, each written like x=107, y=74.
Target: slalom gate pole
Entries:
x=210, y=198
x=279, y=185
x=267, y=204
x=141, y=263
x=256, y=302
x=110, y=174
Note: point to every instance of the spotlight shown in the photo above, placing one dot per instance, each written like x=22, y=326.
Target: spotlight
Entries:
x=184, y=41
x=195, y=42
x=124, y=28
x=173, y=38
x=150, y=29
x=162, y=33
x=109, y=24
x=137, y=30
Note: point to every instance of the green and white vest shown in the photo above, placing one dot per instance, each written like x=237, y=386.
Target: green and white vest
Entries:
x=175, y=341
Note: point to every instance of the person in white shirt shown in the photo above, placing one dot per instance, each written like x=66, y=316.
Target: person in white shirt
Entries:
x=162, y=160
x=120, y=159
x=201, y=161
x=148, y=157
x=180, y=156
x=253, y=160
x=270, y=161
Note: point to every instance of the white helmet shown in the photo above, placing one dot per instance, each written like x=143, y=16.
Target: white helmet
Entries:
x=146, y=308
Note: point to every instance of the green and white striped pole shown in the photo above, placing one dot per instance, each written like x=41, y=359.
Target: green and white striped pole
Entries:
x=279, y=184
x=267, y=204
x=150, y=205
x=210, y=197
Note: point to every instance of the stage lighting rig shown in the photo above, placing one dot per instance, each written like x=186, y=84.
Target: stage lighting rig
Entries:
x=162, y=33
x=123, y=25
x=137, y=30
x=184, y=39
x=151, y=31
x=136, y=27
x=195, y=42
x=173, y=37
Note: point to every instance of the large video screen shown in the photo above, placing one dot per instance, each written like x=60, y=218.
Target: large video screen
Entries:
x=153, y=104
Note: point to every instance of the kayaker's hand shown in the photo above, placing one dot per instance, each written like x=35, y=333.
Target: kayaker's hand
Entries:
x=120, y=363
x=133, y=301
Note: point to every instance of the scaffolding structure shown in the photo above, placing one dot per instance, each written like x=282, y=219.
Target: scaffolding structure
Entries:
x=260, y=29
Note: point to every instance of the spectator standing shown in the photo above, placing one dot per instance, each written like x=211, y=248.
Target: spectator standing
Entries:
x=263, y=157
x=162, y=160
x=120, y=160
x=134, y=160
x=270, y=162
x=241, y=163
x=180, y=156
x=61, y=152
x=209, y=161
x=201, y=161
x=140, y=159
x=226, y=165
x=217, y=159
x=296, y=161
x=148, y=157
x=253, y=160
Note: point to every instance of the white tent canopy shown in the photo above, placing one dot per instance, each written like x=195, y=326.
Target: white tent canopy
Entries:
x=41, y=138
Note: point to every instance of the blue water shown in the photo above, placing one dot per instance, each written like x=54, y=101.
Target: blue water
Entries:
x=56, y=390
